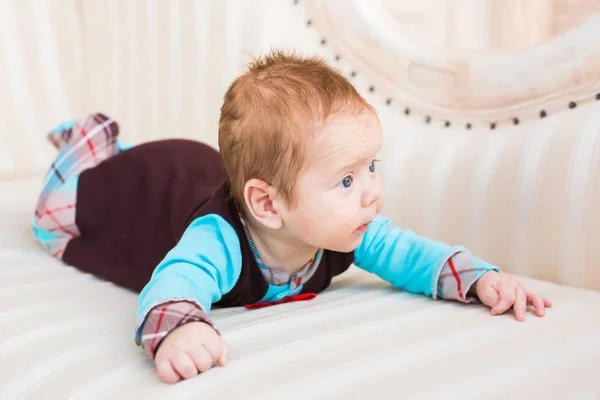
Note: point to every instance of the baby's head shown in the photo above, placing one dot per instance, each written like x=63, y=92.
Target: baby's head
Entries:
x=298, y=146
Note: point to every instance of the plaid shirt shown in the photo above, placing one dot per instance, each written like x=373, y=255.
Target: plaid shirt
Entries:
x=84, y=144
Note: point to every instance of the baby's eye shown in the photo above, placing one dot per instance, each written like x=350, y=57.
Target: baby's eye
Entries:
x=347, y=181
x=372, y=166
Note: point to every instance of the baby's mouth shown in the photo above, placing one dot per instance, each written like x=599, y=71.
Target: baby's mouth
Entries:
x=362, y=228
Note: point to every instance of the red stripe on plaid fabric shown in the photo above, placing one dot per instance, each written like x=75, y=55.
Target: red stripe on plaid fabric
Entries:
x=160, y=318
x=50, y=214
x=457, y=278
x=461, y=272
x=58, y=253
x=67, y=207
x=59, y=226
x=89, y=143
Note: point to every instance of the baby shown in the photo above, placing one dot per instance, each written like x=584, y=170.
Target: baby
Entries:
x=291, y=200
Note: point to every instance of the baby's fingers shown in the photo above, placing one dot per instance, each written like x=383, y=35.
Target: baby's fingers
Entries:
x=507, y=299
x=202, y=359
x=520, y=306
x=218, y=350
x=166, y=372
x=538, y=303
x=223, y=359
x=185, y=365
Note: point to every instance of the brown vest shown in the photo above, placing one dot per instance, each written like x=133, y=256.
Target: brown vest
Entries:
x=251, y=286
x=134, y=207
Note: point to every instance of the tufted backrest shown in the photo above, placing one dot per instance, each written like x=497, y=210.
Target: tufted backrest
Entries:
x=526, y=198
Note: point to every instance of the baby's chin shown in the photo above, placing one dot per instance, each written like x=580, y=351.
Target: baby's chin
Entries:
x=347, y=246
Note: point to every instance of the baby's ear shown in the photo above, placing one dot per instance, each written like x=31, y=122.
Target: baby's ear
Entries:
x=261, y=203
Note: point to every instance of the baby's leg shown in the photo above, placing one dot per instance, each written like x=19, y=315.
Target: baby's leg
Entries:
x=54, y=219
x=98, y=262
x=82, y=145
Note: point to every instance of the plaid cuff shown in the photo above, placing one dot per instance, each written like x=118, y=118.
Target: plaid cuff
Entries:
x=166, y=317
x=457, y=276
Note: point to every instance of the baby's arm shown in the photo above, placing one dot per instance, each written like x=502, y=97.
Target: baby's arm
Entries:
x=422, y=265
x=196, y=273
x=418, y=264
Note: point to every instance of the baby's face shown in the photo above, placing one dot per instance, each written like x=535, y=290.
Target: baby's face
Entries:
x=340, y=192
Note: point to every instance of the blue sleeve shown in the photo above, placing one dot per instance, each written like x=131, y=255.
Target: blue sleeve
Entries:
x=204, y=265
x=400, y=257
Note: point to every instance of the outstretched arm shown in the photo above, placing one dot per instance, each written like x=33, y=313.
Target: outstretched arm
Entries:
x=418, y=264
x=421, y=265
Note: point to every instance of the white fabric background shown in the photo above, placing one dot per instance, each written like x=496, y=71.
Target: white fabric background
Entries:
x=526, y=197
x=160, y=68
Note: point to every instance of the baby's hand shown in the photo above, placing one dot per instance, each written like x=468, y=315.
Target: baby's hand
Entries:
x=501, y=291
x=189, y=350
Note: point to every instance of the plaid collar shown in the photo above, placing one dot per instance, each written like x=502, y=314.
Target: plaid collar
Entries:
x=278, y=277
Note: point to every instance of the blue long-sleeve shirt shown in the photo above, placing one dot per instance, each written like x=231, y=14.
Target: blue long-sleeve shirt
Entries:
x=193, y=277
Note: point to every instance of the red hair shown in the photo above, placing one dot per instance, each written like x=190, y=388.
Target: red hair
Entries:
x=270, y=114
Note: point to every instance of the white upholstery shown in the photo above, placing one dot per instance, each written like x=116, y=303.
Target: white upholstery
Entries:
x=68, y=335
x=525, y=197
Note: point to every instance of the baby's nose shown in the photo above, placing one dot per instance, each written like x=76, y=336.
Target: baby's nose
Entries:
x=372, y=194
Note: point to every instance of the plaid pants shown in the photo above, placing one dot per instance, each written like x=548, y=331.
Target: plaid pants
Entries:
x=82, y=144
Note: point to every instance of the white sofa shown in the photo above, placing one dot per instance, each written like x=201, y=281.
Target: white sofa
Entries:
x=526, y=197
x=65, y=334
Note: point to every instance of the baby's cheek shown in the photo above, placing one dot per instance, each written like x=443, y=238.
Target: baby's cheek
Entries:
x=306, y=223
x=321, y=220
x=328, y=212
x=380, y=202
x=309, y=219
